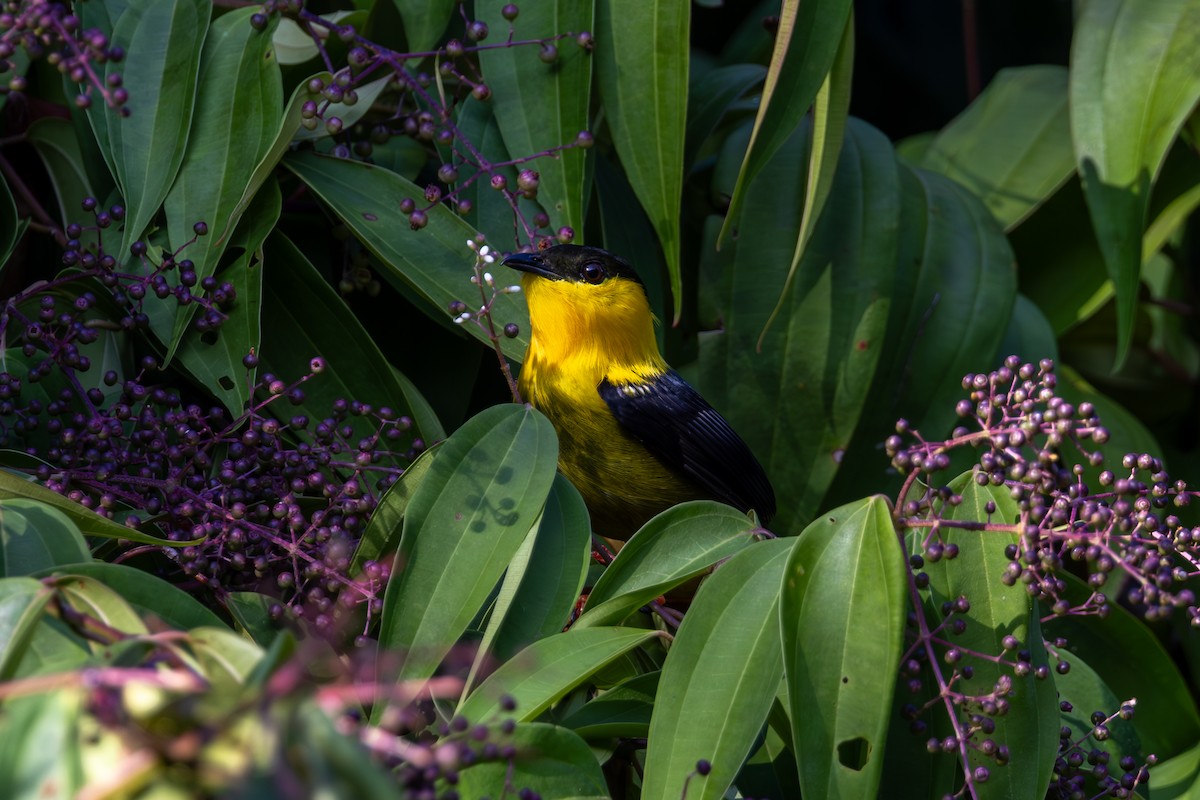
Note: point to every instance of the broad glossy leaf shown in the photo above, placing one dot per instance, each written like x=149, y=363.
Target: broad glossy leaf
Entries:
x=88, y=521
x=806, y=44
x=1167, y=721
x=842, y=617
x=1178, y=778
x=1087, y=693
x=434, y=261
x=623, y=710
x=646, y=107
x=11, y=228
x=162, y=43
x=798, y=402
x=35, y=536
x=227, y=658
x=348, y=114
x=679, y=544
x=1012, y=145
x=551, y=761
x=720, y=676
x=22, y=603
x=424, y=22
x=483, y=492
x=1029, y=335
x=1135, y=78
x=553, y=575
x=303, y=317
x=149, y=595
x=1030, y=728
x=214, y=358
x=545, y=671
x=540, y=106
x=238, y=102
x=95, y=599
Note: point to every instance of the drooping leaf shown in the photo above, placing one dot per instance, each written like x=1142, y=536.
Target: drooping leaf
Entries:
x=551, y=761
x=238, y=100
x=710, y=98
x=540, y=106
x=647, y=108
x=162, y=42
x=1135, y=78
x=483, y=492
x=842, y=616
x=720, y=676
x=623, y=710
x=58, y=145
x=545, y=671
x=149, y=595
x=434, y=261
x=679, y=544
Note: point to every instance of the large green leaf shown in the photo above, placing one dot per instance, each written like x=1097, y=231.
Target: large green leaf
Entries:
x=544, y=672
x=798, y=402
x=149, y=595
x=710, y=97
x=642, y=72
x=483, y=492
x=57, y=143
x=541, y=106
x=806, y=44
x=1012, y=145
x=720, y=677
x=435, y=261
x=679, y=544
x=22, y=602
x=1030, y=728
x=35, y=536
x=424, y=21
x=238, y=102
x=162, y=42
x=40, y=754
x=550, y=761
x=623, y=710
x=88, y=521
x=842, y=616
x=1135, y=78
x=11, y=228
x=1178, y=778
x=381, y=537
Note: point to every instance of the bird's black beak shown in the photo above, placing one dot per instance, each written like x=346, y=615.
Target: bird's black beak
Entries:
x=533, y=263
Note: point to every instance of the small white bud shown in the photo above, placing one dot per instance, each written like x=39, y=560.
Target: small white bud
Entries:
x=471, y=244
x=487, y=278
x=483, y=251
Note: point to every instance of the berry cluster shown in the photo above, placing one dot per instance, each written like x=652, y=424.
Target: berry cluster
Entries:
x=1068, y=516
x=412, y=106
x=53, y=31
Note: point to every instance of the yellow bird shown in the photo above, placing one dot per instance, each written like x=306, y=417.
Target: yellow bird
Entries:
x=634, y=437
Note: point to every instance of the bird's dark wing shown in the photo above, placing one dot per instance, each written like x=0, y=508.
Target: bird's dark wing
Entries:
x=682, y=430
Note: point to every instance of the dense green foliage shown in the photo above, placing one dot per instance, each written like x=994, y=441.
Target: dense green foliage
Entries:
x=269, y=526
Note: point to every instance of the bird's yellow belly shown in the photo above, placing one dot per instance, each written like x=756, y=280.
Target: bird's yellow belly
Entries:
x=621, y=482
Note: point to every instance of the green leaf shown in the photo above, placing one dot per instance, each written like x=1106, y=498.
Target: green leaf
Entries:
x=149, y=595
x=1031, y=726
x=227, y=658
x=679, y=544
x=710, y=97
x=348, y=114
x=1086, y=692
x=162, y=43
x=553, y=575
x=88, y=521
x=303, y=317
x=381, y=537
x=646, y=108
x=95, y=599
x=798, y=402
x=424, y=22
x=842, y=613
x=35, y=536
x=1135, y=78
x=829, y=115
x=22, y=603
x=483, y=492
x=1178, y=778
x=548, y=669
x=1012, y=145
x=434, y=261
x=58, y=146
x=40, y=756
x=807, y=41
x=238, y=100
x=214, y=358
x=252, y=613
x=11, y=228
x=720, y=676
x=551, y=761
x=623, y=710
x=1029, y=335
x=540, y=106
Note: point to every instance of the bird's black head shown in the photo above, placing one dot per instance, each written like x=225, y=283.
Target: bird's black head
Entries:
x=575, y=263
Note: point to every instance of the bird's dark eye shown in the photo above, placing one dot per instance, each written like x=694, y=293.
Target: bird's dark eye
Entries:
x=593, y=272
